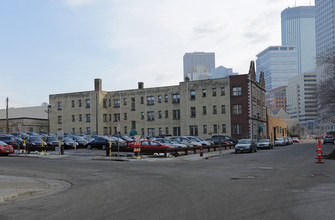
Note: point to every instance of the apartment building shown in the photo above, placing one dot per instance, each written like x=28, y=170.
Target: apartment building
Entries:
x=200, y=108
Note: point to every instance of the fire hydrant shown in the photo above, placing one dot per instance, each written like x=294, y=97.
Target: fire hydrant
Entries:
x=201, y=152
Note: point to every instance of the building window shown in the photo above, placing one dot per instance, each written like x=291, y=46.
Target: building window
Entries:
x=204, y=129
x=59, y=105
x=73, y=119
x=192, y=94
x=237, y=109
x=166, y=113
x=214, y=91
x=204, y=93
x=124, y=101
x=223, y=92
x=237, y=129
x=73, y=130
x=109, y=102
x=224, y=129
x=151, y=132
x=125, y=130
x=237, y=91
x=215, y=129
x=194, y=130
x=116, y=117
x=110, y=117
x=159, y=99
x=159, y=114
x=166, y=98
x=176, y=114
x=159, y=131
x=204, y=110
x=133, y=124
x=79, y=103
x=88, y=103
x=175, y=98
x=223, y=109
x=116, y=103
x=166, y=130
x=60, y=119
x=105, y=131
x=133, y=104
x=142, y=100
x=176, y=131
x=125, y=116
x=104, y=103
x=72, y=103
x=80, y=130
x=88, y=130
x=142, y=115
x=142, y=131
x=115, y=130
x=151, y=116
x=88, y=118
x=150, y=100
x=80, y=118
x=105, y=118
x=215, y=110
x=193, y=112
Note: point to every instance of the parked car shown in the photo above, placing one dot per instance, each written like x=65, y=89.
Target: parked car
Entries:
x=100, y=142
x=171, y=143
x=150, y=144
x=280, y=142
x=6, y=149
x=224, y=137
x=290, y=140
x=246, y=145
x=35, y=141
x=328, y=139
x=82, y=142
x=219, y=139
x=68, y=143
x=186, y=141
x=295, y=140
x=286, y=140
x=265, y=143
x=10, y=140
x=199, y=140
x=52, y=141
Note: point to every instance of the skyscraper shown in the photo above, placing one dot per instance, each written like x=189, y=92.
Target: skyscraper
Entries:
x=278, y=64
x=324, y=25
x=298, y=29
x=191, y=60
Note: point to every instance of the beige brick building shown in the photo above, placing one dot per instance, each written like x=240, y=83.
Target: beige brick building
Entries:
x=191, y=108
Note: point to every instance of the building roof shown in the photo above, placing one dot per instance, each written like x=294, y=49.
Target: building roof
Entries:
x=37, y=112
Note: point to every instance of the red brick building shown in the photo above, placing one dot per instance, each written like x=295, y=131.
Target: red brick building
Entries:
x=276, y=99
x=247, y=103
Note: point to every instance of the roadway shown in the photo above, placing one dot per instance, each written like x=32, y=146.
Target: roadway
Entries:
x=283, y=183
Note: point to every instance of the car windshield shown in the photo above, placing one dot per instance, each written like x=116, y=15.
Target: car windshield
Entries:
x=2, y=143
x=244, y=141
x=263, y=140
x=33, y=138
x=78, y=138
x=52, y=138
x=280, y=139
x=67, y=140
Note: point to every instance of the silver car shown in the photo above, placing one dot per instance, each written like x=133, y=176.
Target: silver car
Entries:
x=246, y=145
x=265, y=143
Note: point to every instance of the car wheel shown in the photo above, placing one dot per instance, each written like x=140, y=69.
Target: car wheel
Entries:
x=236, y=151
x=255, y=149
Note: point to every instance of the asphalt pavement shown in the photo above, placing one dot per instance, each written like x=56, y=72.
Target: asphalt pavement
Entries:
x=15, y=187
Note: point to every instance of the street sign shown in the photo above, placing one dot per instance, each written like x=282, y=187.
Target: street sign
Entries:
x=118, y=126
x=60, y=134
x=19, y=126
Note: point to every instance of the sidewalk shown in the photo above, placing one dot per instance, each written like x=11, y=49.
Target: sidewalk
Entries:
x=12, y=187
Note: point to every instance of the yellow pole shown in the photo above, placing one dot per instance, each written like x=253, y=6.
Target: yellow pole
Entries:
x=60, y=145
x=42, y=147
x=24, y=146
x=110, y=148
x=75, y=145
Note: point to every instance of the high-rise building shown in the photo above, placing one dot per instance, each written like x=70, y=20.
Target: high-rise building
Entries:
x=298, y=29
x=276, y=99
x=302, y=99
x=324, y=25
x=278, y=64
x=191, y=60
x=325, y=40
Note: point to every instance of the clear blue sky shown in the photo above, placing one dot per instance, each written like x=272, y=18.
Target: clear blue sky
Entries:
x=58, y=46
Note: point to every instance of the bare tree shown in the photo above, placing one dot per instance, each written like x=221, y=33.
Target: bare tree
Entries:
x=326, y=85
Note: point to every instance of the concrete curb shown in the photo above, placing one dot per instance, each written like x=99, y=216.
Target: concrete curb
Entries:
x=12, y=196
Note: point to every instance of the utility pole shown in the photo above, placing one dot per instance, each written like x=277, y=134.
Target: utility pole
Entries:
x=7, y=121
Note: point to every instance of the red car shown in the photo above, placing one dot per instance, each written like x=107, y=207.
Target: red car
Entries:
x=149, y=144
x=295, y=140
x=6, y=149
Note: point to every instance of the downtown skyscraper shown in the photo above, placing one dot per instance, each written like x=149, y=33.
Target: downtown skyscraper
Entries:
x=298, y=29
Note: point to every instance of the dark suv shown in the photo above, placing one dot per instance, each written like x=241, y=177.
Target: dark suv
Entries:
x=328, y=139
x=10, y=140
